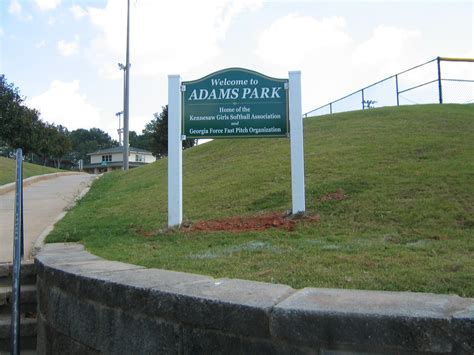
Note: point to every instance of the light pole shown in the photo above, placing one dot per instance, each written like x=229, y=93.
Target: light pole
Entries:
x=120, y=130
x=126, y=70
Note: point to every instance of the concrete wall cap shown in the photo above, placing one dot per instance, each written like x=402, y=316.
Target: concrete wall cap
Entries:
x=200, y=314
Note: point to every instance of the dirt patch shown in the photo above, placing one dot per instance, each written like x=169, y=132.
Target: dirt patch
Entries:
x=250, y=223
x=338, y=195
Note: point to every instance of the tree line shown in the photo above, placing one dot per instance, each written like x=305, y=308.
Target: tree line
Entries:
x=54, y=145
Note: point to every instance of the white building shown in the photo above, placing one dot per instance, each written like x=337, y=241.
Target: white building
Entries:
x=112, y=159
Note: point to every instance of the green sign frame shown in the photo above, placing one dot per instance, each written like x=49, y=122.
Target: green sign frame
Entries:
x=235, y=103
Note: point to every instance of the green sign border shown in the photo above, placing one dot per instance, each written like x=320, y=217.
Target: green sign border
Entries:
x=248, y=71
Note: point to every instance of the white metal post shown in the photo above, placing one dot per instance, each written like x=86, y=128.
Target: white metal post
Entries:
x=175, y=170
x=297, y=144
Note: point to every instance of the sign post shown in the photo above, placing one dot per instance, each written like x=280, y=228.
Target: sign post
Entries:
x=233, y=103
x=297, y=145
x=175, y=155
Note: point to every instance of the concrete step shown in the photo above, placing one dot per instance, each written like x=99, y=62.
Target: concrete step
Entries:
x=27, y=274
x=27, y=308
x=27, y=334
x=27, y=299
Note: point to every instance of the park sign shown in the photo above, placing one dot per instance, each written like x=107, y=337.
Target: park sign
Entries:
x=235, y=103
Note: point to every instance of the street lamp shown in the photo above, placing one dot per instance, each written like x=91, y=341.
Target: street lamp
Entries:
x=126, y=69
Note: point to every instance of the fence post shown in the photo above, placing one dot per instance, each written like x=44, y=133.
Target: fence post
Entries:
x=396, y=86
x=440, y=89
x=330, y=108
x=363, y=100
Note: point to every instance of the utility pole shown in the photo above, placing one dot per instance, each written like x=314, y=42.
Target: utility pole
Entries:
x=126, y=94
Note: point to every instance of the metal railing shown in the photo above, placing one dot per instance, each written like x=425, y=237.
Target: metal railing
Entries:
x=440, y=80
x=18, y=252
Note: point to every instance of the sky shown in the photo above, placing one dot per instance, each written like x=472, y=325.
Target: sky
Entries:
x=64, y=54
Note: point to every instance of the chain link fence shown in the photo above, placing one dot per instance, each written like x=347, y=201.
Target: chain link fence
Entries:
x=440, y=80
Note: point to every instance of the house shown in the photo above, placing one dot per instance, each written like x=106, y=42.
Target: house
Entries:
x=112, y=159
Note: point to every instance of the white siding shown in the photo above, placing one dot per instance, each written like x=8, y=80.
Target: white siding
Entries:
x=118, y=157
x=143, y=157
x=149, y=158
x=96, y=159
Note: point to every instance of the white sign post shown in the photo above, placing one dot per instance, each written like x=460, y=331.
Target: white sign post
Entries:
x=297, y=144
x=175, y=170
x=175, y=153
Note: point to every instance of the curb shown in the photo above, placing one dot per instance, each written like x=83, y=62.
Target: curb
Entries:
x=31, y=180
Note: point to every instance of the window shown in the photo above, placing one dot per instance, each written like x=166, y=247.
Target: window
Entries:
x=107, y=157
x=139, y=158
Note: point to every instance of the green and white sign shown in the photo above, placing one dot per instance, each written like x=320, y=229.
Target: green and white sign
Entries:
x=233, y=103
x=237, y=103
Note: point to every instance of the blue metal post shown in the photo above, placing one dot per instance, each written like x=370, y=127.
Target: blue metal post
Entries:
x=22, y=232
x=17, y=255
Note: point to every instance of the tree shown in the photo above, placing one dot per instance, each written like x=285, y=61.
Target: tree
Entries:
x=61, y=145
x=85, y=141
x=44, y=146
x=10, y=103
x=158, y=130
x=142, y=141
x=21, y=130
x=18, y=122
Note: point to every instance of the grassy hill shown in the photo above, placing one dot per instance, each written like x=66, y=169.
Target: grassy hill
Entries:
x=405, y=221
x=7, y=170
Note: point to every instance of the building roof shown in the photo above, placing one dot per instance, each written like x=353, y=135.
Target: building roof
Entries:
x=119, y=150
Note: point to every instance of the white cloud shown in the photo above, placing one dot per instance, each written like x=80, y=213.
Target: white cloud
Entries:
x=195, y=40
x=228, y=10
x=78, y=12
x=301, y=36
x=46, y=5
x=332, y=62
x=67, y=49
x=40, y=44
x=15, y=7
x=387, y=48
x=318, y=47
x=51, y=21
x=64, y=104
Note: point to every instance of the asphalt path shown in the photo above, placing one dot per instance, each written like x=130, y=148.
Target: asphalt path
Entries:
x=45, y=202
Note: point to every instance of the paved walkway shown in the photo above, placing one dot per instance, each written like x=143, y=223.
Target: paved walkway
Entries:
x=44, y=203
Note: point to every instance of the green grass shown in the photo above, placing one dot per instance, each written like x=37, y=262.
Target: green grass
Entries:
x=7, y=170
x=407, y=223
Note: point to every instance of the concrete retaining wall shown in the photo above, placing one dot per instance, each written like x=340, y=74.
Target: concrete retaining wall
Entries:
x=88, y=305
